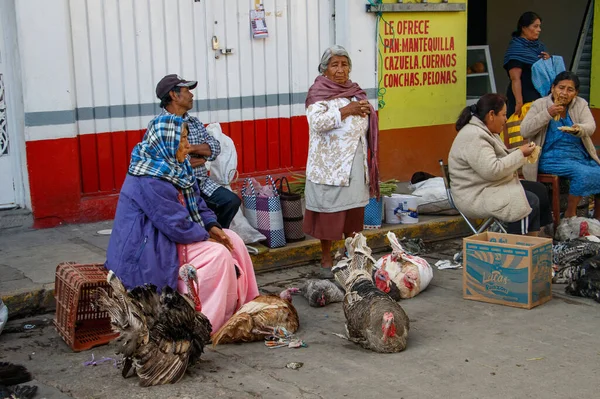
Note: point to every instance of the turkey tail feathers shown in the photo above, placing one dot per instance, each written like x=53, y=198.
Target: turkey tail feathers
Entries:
x=13, y=374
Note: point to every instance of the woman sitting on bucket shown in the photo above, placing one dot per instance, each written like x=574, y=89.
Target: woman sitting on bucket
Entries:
x=483, y=173
x=162, y=223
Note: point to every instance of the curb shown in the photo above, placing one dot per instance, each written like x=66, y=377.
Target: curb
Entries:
x=41, y=298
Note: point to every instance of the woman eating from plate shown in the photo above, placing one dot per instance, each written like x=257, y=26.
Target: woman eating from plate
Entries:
x=562, y=124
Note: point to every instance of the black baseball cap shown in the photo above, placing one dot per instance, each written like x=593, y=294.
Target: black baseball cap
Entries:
x=169, y=82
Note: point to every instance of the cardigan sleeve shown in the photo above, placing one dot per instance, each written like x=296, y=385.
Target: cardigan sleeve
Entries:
x=488, y=165
x=323, y=117
x=536, y=119
x=587, y=124
x=159, y=201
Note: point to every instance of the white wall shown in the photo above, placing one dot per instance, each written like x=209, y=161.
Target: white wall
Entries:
x=101, y=60
x=46, y=66
x=14, y=99
x=355, y=30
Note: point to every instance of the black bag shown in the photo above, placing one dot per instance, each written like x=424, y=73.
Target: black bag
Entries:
x=291, y=207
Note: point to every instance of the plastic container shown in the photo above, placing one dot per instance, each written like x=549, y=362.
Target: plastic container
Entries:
x=401, y=208
x=373, y=214
x=80, y=324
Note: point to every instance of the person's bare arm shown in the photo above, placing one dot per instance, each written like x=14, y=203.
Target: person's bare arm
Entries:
x=197, y=162
x=515, y=84
x=201, y=149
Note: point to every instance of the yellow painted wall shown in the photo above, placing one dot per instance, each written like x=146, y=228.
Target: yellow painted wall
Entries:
x=595, y=82
x=422, y=67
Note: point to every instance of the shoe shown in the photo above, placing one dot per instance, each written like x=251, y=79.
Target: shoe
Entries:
x=326, y=273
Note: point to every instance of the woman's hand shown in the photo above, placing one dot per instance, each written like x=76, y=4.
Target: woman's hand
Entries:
x=527, y=149
x=554, y=110
x=358, y=108
x=218, y=235
x=544, y=55
x=518, y=107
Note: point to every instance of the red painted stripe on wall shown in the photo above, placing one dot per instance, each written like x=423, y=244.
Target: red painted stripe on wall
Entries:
x=78, y=179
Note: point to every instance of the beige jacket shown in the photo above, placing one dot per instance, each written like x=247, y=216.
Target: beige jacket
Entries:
x=535, y=125
x=483, y=175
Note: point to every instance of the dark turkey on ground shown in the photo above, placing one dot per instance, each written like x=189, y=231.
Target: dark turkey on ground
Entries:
x=10, y=376
x=160, y=334
x=574, y=252
x=321, y=293
x=373, y=319
x=585, y=279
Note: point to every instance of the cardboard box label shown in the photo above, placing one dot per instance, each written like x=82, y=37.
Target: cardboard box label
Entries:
x=497, y=273
x=542, y=273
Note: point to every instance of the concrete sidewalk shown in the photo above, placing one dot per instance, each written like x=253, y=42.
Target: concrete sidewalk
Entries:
x=28, y=258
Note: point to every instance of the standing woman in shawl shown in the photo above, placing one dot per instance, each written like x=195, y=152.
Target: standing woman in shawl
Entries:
x=162, y=223
x=524, y=50
x=342, y=170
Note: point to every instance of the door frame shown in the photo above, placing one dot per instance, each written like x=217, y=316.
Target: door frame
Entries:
x=14, y=102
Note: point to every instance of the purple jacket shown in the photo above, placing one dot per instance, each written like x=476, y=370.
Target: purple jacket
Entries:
x=149, y=223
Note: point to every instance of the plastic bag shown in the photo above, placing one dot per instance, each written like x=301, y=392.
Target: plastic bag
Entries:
x=224, y=168
x=3, y=315
x=432, y=197
x=401, y=274
x=242, y=227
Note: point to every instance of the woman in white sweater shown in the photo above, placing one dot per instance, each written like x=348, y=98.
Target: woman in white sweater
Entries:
x=483, y=172
x=341, y=170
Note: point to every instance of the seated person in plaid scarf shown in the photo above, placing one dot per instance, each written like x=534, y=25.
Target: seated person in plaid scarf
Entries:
x=176, y=99
x=164, y=233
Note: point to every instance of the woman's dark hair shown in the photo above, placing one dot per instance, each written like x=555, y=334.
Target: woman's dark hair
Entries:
x=567, y=75
x=487, y=102
x=524, y=21
x=166, y=100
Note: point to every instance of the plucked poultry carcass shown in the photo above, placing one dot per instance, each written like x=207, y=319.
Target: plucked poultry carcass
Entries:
x=373, y=319
x=321, y=293
x=399, y=274
x=11, y=375
x=575, y=227
x=160, y=334
x=259, y=318
x=585, y=279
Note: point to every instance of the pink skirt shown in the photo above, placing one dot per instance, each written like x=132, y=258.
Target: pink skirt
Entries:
x=221, y=293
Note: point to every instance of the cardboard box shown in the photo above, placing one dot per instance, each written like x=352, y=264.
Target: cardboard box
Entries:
x=507, y=269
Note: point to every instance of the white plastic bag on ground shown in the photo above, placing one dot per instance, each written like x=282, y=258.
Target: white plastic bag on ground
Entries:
x=432, y=197
x=3, y=315
x=242, y=227
x=400, y=273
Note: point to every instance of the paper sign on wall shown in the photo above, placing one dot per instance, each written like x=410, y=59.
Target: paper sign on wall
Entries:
x=257, y=22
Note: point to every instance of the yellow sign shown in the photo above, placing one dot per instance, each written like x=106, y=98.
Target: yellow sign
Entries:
x=595, y=73
x=422, y=67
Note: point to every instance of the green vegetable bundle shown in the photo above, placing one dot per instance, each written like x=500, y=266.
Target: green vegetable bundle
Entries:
x=297, y=183
x=387, y=188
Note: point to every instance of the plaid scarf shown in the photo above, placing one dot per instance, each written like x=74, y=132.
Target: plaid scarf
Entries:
x=521, y=49
x=324, y=89
x=155, y=156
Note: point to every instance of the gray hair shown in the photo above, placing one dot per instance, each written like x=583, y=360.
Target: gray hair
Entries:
x=330, y=52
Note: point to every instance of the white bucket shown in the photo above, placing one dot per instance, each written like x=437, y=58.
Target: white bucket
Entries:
x=401, y=208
